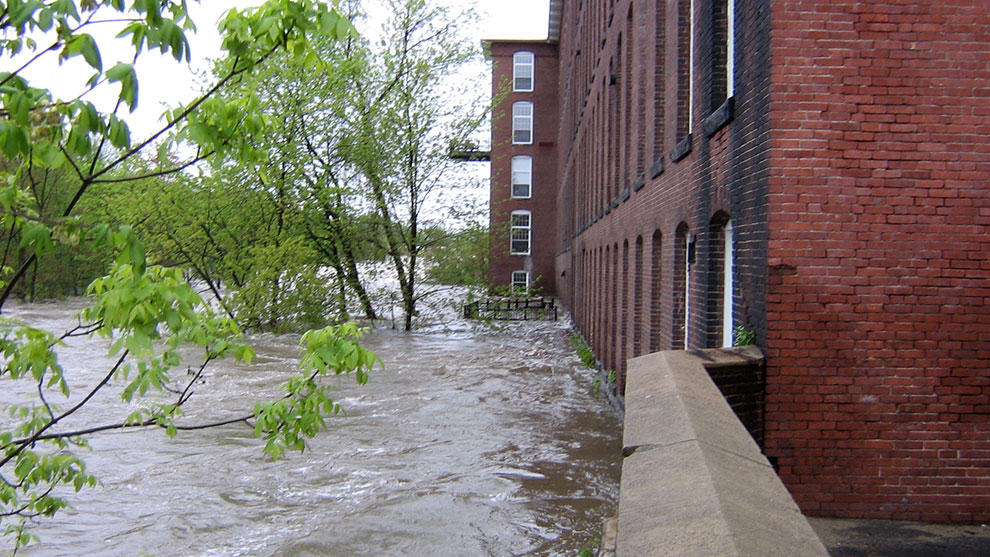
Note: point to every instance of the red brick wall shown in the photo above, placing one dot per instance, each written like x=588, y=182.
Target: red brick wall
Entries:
x=878, y=301
x=544, y=235
x=618, y=195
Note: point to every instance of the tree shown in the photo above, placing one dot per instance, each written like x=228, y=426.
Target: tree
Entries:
x=302, y=177
x=144, y=311
x=361, y=157
x=408, y=111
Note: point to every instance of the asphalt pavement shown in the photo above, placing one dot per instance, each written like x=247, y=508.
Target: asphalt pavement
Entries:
x=885, y=538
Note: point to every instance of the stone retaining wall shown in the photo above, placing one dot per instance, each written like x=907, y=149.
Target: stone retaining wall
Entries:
x=693, y=480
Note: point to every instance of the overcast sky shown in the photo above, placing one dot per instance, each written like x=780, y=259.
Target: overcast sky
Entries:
x=162, y=81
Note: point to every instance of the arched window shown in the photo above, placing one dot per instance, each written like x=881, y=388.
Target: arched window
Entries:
x=521, y=226
x=728, y=321
x=522, y=177
x=683, y=267
x=522, y=123
x=522, y=71
x=720, y=287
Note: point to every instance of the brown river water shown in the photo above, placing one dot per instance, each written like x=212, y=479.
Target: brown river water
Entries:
x=471, y=441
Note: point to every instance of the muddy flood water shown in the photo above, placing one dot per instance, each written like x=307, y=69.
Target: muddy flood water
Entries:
x=471, y=441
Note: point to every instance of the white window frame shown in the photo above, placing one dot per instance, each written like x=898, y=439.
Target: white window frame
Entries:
x=525, y=282
x=687, y=290
x=522, y=121
x=523, y=230
x=727, y=285
x=690, y=73
x=523, y=62
x=730, y=48
x=522, y=175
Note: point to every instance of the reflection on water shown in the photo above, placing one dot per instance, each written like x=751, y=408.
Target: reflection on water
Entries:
x=468, y=443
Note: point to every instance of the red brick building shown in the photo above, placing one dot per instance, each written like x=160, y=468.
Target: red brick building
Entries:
x=524, y=166
x=814, y=173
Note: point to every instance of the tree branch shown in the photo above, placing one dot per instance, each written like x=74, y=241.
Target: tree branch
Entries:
x=40, y=434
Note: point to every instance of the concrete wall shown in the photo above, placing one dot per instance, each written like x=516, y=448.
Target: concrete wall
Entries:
x=693, y=481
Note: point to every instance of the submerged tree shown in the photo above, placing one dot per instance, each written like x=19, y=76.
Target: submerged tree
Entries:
x=409, y=110
x=358, y=160
x=146, y=312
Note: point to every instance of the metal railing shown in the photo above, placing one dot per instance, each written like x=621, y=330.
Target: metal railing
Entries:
x=512, y=308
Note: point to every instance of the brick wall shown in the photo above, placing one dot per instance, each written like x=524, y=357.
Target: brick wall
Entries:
x=854, y=164
x=878, y=301
x=638, y=193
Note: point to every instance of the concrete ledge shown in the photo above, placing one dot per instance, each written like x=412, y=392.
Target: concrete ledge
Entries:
x=693, y=481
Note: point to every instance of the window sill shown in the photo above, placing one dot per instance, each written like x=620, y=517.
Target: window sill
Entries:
x=657, y=168
x=639, y=183
x=625, y=194
x=720, y=117
x=681, y=150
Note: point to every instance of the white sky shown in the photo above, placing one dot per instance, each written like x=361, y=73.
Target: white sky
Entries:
x=164, y=82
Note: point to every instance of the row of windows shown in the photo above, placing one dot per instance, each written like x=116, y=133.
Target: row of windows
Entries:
x=613, y=154
x=614, y=283
x=520, y=233
x=521, y=187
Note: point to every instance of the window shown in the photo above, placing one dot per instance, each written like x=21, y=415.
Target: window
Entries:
x=723, y=51
x=522, y=177
x=730, y=47
x=690, y=80
x=520, y=281
x=522, y=71
x=720, y=256
x=685, y=67
x=681, y=291
x=688, y=263
x=522, y=122
x=520, y=232
x=727, y=317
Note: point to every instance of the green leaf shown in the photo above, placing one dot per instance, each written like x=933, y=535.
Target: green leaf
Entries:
x=120, y=135
x=85, y=45
x=14, y=140
x=45, y=19
x=125, y=75
x=201, y=134
x=37, y=237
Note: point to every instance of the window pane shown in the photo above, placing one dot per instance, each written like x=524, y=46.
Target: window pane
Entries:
x=522, y=176
x=522, y=122
x=520, y=280
x=522, y=71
